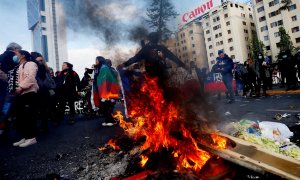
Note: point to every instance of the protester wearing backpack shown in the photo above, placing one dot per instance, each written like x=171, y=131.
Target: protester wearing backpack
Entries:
x=26, y=100
x=46, y=90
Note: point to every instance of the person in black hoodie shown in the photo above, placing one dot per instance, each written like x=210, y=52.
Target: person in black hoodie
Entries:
x=225, y=66
x=261, y=66
x=67, y=85
x=297, y=60
x=291, y=78
x=8, y=61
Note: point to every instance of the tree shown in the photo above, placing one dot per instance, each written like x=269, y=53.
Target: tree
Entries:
x=285, y=40
x=159, y=14
x=285, y=5
x=256, y=45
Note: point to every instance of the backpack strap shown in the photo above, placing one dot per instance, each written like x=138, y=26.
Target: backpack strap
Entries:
x=24, y=64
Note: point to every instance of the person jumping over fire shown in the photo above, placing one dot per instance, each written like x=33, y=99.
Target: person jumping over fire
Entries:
x=155, y=56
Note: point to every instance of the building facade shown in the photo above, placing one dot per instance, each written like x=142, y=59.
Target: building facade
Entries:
x=228, y=27
x=268, y=19
x=190, y=44
x=48, y=31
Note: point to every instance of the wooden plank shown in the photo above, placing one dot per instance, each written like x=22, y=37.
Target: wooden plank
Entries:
x=259, y=159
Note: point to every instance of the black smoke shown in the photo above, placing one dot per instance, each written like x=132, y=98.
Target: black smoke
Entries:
x=98, y=18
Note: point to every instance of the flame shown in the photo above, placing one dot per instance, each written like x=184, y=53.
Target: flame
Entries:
x=102, y=148
x=144, y=160
x=112, y=143
x=219, y=141
x=154, y=118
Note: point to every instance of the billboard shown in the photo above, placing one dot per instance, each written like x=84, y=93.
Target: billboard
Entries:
x=197, y=9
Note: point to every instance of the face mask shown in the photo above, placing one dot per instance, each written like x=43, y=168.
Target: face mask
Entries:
x=298, y=51
x=16, y=59
x=259, y=57
x=284, y=56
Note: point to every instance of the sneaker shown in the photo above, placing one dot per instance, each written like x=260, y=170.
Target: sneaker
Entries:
x=19, y=142
x=28, y=142
x=104, y=124
x=109, y=124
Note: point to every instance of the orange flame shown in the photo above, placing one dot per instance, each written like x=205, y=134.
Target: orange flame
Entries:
x=112, y=143
x=144, y=160
x=219, y=141
x=153, y=117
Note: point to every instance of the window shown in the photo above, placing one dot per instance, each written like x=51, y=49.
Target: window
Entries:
x=42, y=5
x=43, y=28
x=246, y=31
x=277, y=34
x=236, y=5
x=215, y=12
x=210, y=47
x=194, y=52
x=274, y=13
x=221, y=42
x=209, y=39
x=263, y=18
x=216, y=36
x=217, y=27
x=258, y=1
x=213, y=62
x=220, y=34
x=241, y=7
x=268, y=48
x=276, y=23
x=292, y=7
x=216, y=19
x=229, y=31
x=231, y=48
x=294, y=18
x=278, y=45
x=218, y=43
x=207, y=24
x=243, y=15
x=250, y=16
x=211, y=54
x=192, y=38
x=226, y=16
x=246, y=38
x=244, y=23
x=227, y=23
x=232, y=56
x=295, y=29
x=298, y=40
x=191, y=32
x=231, y=5
x=260, y=9
x=264, y=28
x=43, y=19
x=266, y=38
x=193, y=45
x=252, y=24
x=272, y=3
x=207, y=32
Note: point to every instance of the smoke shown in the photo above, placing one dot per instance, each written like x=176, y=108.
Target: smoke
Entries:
x=110, y=21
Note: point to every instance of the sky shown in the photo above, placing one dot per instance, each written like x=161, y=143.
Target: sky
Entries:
x=82, y=48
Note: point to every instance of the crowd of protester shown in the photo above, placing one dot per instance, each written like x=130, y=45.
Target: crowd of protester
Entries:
x=32, y=95
x=256, y=74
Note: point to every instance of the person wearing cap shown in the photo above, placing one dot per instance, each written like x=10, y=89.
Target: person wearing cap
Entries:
x=225, y=66
x=67, y=86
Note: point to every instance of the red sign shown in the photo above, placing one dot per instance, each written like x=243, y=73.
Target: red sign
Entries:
x=200, y=10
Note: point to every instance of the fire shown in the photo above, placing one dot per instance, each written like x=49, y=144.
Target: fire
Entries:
x=219, y=141
x=112, y=143
x=144, y=160
x=154, y=118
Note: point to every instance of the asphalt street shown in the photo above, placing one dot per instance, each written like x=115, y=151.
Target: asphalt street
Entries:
x=68, y=150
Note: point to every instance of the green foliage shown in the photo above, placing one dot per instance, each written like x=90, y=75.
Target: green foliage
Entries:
x=159, y=13
x=256, y=45
x=285, y=40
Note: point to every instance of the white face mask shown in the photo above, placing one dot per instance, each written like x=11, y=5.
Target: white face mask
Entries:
x=284, y=56
x=259, y=57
